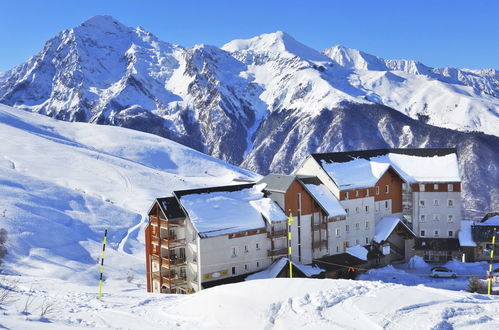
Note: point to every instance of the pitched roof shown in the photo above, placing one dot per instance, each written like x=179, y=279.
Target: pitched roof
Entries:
x=441, y=244
x=465, y=237
x=359, y=169
x=338, y=262
x=171, y=208
x=229, y=209
x=385, y=227
x=278, y=182
x=323, y=196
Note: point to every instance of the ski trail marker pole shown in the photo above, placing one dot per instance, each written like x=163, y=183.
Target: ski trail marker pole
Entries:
x=490, y=277
x=290, y=221
x=102, y=264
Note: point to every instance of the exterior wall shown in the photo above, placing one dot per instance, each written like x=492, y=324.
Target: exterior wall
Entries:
x=436, y=216
x=439, y=256
x=192, y=257
x=394, y=194
x=311, y=167
x=148, y=257
x=217, y=259
x=354, y=230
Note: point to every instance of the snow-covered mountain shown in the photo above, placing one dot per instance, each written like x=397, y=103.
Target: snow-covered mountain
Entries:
x=264, y=103
x=63, y=183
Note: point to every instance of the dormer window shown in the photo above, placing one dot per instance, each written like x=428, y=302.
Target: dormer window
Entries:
x=421, y=187
x=450, y=187
x=435, y=186
x=367, y=192
x=346, y=194
x=357, y=193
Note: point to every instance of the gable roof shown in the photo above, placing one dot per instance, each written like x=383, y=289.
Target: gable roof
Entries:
x=278, y=182
x=323, y=196
x=385, y=227
x=361, y=169
x=170, y=208
x=229, y=209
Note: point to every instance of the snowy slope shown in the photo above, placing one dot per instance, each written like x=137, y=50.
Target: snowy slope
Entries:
x=260, y=304
x=63, y=183
x=264, y=103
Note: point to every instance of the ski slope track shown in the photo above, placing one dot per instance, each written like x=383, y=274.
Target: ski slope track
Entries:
x=267, y=102
x=63, y=183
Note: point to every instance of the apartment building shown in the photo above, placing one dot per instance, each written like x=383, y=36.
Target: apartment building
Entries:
x=421, y=187
x=200, y=236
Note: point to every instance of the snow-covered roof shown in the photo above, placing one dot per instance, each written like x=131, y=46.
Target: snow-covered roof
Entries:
x=465, y=237
x=494, y=221
x=364, y=168
x=222, y=212
x=358, y=252
x=386, y=226
x=323, y=196
x=275, y=268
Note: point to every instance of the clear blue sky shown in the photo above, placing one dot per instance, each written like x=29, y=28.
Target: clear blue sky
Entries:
x=454, y=33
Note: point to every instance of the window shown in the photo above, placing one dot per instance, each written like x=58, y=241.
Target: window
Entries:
x=421, y=187
x=376, y=205
x=422, y=218
x=436, y=217
x=367, y=240
x=357, y=242
x=423, y=233
x=367, y=192
x=246, y=267
x=386, y=204
x=377, y=190
x=357, y=226
x=451, y=233
x=347, y=244
x=367, y=224
x=387, y=189
x=337, y=248
x=233, y=270
x=450, y=187
x=435, y=233
x=234, y=252
x=347, y=211
x=299, y=203
x=257, y=264
x=245, y=249
x=356, y=209
x=337, y=232
x=422, y=203
x=450, y=218
x=367, y=208
x=450, y=203
x=258, y=246
x=436, y=202
x=435, y=186
x=357, y=193
x=346, y=194
x=347, y=227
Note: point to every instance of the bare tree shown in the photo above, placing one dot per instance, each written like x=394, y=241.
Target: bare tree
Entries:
x=29, y=301
x=3, y=249
x=7, y=291
x=48, y=307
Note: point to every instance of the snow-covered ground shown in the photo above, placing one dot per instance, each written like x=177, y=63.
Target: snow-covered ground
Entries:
x=259, y=304
x=417, y=272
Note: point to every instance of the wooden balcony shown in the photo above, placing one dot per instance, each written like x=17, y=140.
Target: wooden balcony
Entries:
x=154, y=220
x=277, y=233
x=165, y=223
x=172, y=242
x=154, y=239
x=319, y=244
x=174, y=281
x=277, y=252
x=174, y=262
x=319, y=226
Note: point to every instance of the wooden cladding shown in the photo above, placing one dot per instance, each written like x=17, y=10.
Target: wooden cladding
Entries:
x=247, y=233
x=441, y=187
x=298, y=198
x=390, y=187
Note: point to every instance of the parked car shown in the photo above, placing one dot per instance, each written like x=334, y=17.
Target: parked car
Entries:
x=437, y=272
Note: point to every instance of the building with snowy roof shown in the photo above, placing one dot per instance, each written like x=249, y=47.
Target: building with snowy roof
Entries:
x=475, y=238
x=420, y=187
x=206, y=235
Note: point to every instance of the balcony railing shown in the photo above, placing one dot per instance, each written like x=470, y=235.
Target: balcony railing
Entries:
x=172, y=282
x=173, y=262
x=319, y=226
x=155, y=240
x=277, y=252
x=164, y=223
x=319, y=244
x=172, y=242
x=154, y=220
x=277, y=233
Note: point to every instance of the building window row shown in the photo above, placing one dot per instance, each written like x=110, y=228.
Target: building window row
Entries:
x=246, y=249
x=436, y=202
x=436, y=187
x=436, y=217
x=436, y=233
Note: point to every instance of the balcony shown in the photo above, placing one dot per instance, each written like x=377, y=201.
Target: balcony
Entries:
x=164, y=223
x=172, y=242
x=319, y=244
x=277, y=252
x=154, y=220
x=155, y=240
x=319, y=226
x=277, y=233
x=173, y=262
x=175, y=281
